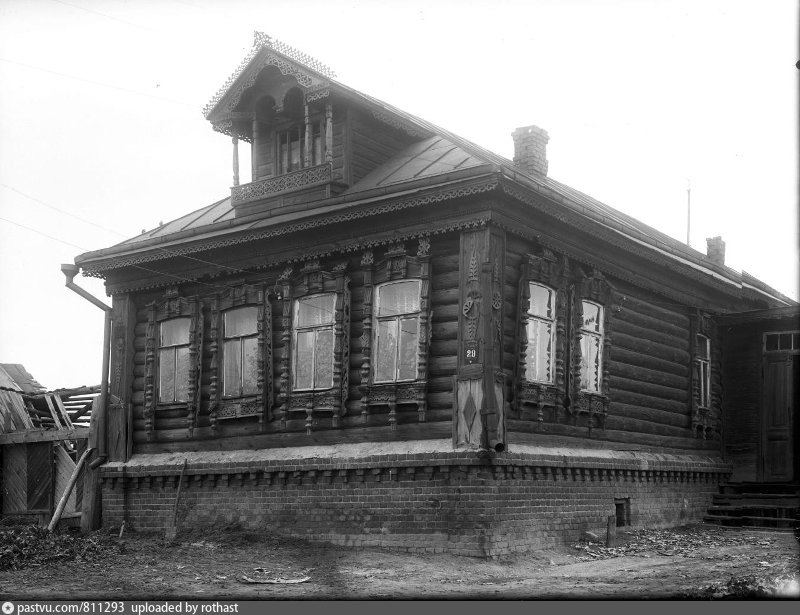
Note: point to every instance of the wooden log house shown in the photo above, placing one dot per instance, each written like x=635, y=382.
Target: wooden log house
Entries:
x=391, y=336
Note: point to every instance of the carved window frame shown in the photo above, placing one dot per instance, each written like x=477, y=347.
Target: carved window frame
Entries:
x=222, y=407
x=312, y=279
x=169, y=307
x=551, y=271
x=397, y=265
x=705, y=418
x=594, y=288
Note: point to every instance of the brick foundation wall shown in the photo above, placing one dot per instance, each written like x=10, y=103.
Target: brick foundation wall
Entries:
x=434, y=501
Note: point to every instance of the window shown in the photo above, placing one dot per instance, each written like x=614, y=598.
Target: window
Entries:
x=291, y=144
x=788, y=340
x=703, y=370
x=240, y=352
x=591, y=336
x=173, y=360
x=314, y=318
x=397, y=310
x=541, y=333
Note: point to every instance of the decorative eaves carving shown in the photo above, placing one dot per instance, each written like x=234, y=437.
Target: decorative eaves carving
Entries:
x=100, y=270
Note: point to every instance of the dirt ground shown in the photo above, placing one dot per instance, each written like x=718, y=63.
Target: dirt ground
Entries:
x=688, y=562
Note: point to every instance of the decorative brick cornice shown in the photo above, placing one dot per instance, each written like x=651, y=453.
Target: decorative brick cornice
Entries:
x=448, y=466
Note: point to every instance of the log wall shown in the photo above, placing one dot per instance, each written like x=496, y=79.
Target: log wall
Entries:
x=171, y=433
x=649, y=370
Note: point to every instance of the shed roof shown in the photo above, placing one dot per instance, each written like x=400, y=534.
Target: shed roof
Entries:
x=22, y=378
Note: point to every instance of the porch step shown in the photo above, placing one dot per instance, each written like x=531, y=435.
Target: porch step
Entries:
x=773, y=506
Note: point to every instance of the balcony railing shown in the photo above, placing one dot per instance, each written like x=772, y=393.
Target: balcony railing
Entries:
x=289, y=182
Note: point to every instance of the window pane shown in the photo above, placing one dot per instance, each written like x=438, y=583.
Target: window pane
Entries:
x=250, y=366
x=409, y=346
x=316, y=310
x=294, y=152
x=592, y=317
x=702, y=347
x=182, y=374
x=323, y=360
x=590, y=363
x=231, y=367
x=166, y=375
x=317, y=139
x=772, y=342
x=539, y=353
x=386, y=351
x=174, y=332
x=304, y=360
x=541, y=301
x=398, y=298
x=241, y=321
x=786, y=341
x=796, y=341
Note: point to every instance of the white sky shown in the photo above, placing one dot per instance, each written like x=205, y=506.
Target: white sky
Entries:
x=100, y=118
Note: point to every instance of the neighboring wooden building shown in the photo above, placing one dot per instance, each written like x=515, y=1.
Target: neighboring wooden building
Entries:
x=392, y=336
x=37, y=445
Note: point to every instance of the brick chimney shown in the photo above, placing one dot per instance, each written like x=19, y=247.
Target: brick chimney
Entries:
x=715, y=250
x=530, y=149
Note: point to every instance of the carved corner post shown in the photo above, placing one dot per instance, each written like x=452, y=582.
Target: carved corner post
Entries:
x=479, y=391
x=119, y=423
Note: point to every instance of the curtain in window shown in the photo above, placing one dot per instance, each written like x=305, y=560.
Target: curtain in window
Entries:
x=397, y=310
x=314, y=342
x=173, y=360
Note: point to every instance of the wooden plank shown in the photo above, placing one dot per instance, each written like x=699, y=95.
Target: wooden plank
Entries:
x=40, y=475
x=62, y=411
x=65, y=466
x=15, y=479
x=53, y=411
x=44, y=435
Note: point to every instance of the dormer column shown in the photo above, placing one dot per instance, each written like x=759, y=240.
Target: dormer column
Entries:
x=254, y=150
x=235, y=140
x=308, y=141
x=328, y=132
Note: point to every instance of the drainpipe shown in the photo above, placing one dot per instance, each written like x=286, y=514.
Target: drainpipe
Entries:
x=70, y=271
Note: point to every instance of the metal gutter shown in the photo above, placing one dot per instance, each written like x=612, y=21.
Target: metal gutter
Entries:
x=70, y=271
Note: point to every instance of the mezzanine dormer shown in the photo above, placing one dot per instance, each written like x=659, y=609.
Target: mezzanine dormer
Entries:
x=310, y=137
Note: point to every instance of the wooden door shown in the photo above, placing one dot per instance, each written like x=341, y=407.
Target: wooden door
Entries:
x=780, y=399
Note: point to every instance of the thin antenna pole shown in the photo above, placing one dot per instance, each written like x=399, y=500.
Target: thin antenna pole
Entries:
x=688, y=212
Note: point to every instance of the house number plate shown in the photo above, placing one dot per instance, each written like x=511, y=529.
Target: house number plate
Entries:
x=470, y=353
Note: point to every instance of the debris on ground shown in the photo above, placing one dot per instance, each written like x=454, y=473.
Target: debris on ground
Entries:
x=31, y=546
x=279, y=580
x=667, y=542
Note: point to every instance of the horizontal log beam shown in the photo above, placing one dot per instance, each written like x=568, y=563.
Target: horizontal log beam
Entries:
x=44, y=435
